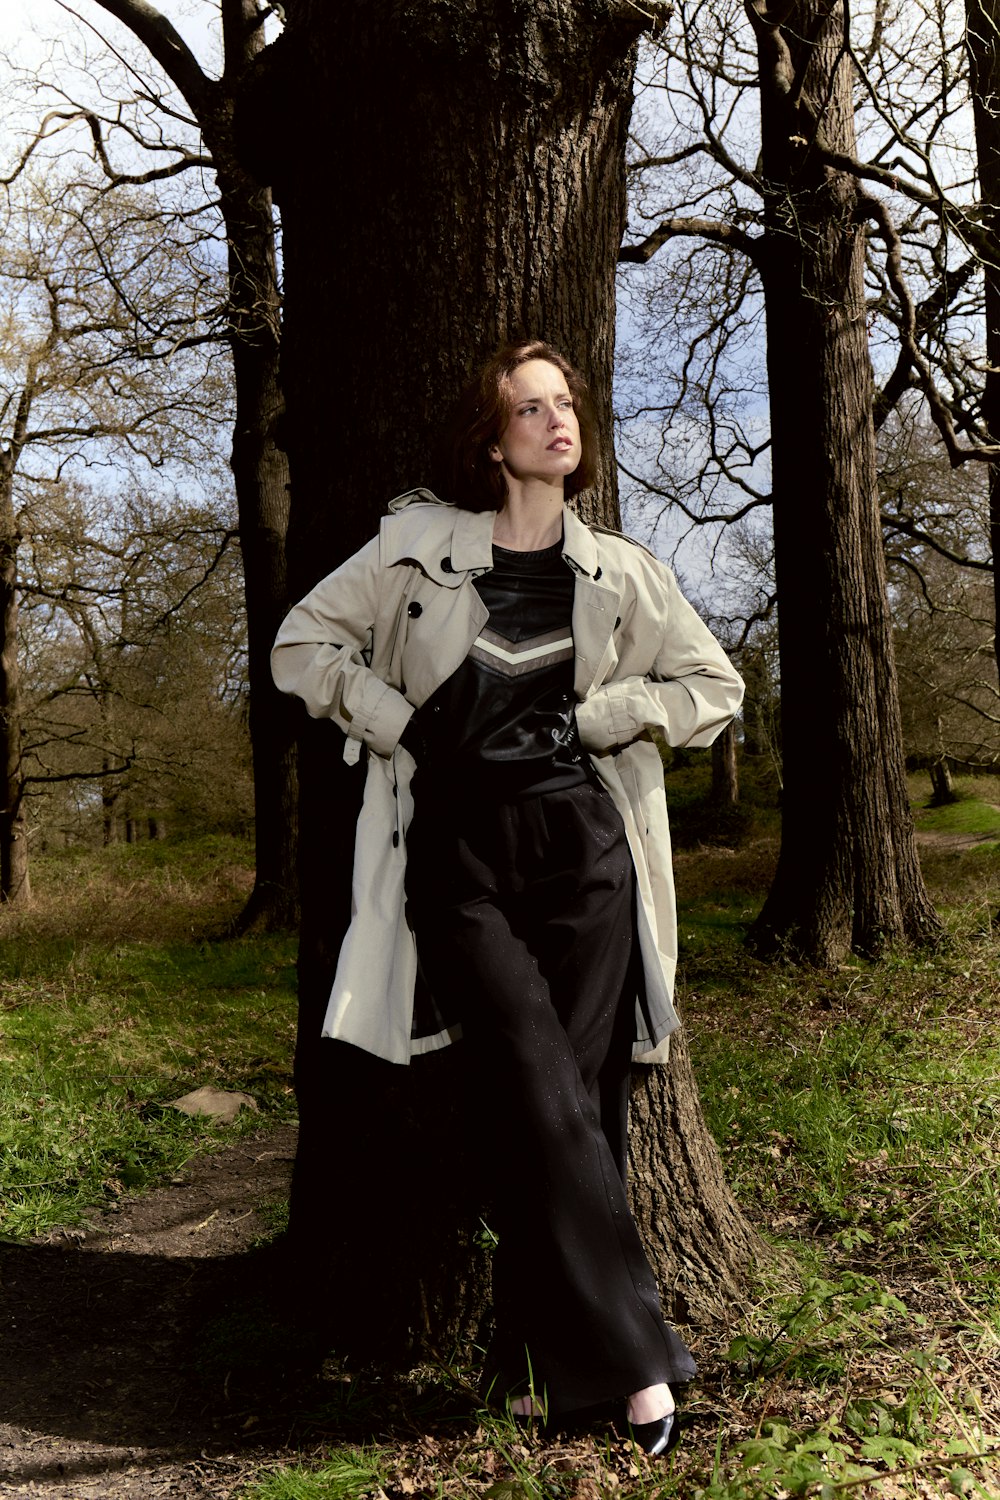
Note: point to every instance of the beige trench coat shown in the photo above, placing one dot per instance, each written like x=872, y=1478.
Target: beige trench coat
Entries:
x=373, y=641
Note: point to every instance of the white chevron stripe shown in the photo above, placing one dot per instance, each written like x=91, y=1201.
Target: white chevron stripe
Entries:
x=531, y=653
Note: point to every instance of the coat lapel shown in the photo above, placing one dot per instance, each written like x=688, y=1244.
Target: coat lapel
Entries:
x=595, y=607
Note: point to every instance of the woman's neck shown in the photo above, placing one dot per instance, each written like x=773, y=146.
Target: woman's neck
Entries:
x=529, y=521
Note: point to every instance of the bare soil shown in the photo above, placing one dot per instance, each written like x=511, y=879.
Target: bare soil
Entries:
x=117, y=1377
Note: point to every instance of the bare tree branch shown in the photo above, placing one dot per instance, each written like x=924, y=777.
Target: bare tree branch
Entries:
x=712, y=230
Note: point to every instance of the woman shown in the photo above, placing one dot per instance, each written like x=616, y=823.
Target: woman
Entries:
x=504, y=665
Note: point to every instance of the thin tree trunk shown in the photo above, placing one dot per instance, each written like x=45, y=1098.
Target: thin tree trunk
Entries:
x=848, y=875
x=109, y=802
x=983, y=42
x=260, y=467
x=506, y=221
x=725, y=778
x=15, y=884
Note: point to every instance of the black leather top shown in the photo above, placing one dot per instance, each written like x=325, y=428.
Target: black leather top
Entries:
x=504, y=723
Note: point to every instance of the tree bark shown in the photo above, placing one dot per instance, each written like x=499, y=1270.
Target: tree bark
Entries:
x=982, y=38
x=848, y=875
x=693, y=1228
x=725, y=778
x=260, y=470
x=260, y=466
x=109, y=802
x=15, y=884
x=506, y=221
x=942, y=786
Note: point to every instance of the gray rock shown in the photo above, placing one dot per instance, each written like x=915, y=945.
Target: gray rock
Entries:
x=219, y=1104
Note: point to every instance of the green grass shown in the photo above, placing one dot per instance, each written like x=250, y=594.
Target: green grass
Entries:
x=975, y=812
x=865, y=1104
x=348, y=1475
x=857, y=1111
x=115, y=998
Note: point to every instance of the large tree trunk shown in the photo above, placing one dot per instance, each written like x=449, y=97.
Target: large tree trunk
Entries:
x=848, y=875
x=983, y=42
x=260, y=467
x=475, y=168
x=695, y=1233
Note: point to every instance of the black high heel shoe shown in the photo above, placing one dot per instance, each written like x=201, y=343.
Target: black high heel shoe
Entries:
x=656, y=1438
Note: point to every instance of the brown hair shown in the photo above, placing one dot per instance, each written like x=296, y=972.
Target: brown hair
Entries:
x=466, y=474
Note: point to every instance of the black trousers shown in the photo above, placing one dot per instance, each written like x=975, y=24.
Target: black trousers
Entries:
x=524, y=920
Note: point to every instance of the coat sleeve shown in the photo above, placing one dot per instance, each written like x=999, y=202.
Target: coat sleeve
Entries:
x=322, y=652
x=690, y=693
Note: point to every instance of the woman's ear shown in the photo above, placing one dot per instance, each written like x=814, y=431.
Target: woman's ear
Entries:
x=495, y=454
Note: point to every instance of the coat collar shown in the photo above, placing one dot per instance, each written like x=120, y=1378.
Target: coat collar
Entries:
x=579, y=545
x=471, y=544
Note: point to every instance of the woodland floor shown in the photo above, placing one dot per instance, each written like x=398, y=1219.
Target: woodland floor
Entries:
x=107, y=1387
x=115, y=1386
x=124, y=1374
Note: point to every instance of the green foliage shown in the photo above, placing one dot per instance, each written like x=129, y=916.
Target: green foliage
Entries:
x=696, y=820
x=348, y=1474
x=102, y=1024
x=813, y=1329
x=795, y=1462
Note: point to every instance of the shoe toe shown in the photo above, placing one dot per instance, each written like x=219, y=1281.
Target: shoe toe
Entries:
x=656, y=1438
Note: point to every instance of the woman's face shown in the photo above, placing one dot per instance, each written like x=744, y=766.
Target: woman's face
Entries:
x=542, y=438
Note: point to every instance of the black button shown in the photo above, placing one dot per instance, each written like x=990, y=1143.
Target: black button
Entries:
x=618, y=619
x=597, y=575
x=415, y=610
x=395, y=839
x=437, y=708
x=446, y=566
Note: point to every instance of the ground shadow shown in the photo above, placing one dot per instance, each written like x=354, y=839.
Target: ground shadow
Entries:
x=172, y=1358
x=115, y=1348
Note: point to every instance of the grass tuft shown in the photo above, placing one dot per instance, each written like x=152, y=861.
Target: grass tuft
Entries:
x=348, y=1474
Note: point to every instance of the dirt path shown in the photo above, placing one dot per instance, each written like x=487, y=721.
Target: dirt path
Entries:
x=117, y=1375
x=929, y=837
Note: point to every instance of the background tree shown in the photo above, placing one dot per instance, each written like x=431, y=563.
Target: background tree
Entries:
x=174, y=122
x=847, y=873
x=983, y=42
x=507, y=220
x=134, y=644
x=936, y=523
x=76, y=388
x=768, y=222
